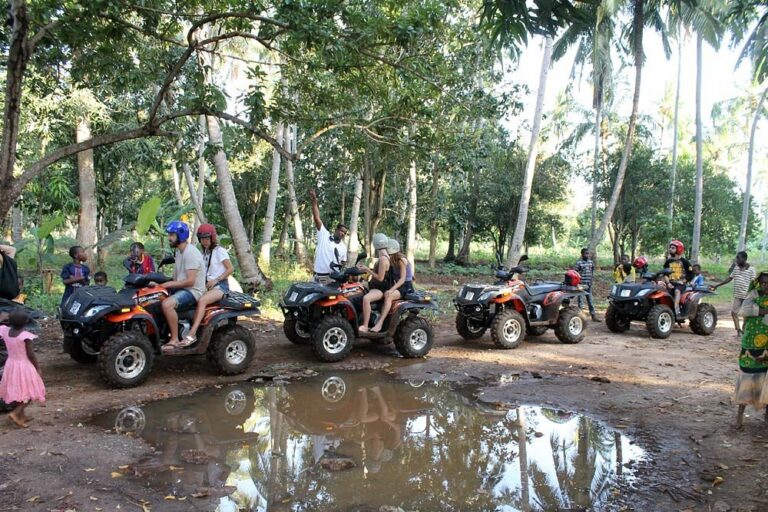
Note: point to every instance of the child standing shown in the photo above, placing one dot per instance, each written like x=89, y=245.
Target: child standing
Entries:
x=75, y=274
x=100, y=278
x=22, y=380
x=698, y=278
x=742, y=275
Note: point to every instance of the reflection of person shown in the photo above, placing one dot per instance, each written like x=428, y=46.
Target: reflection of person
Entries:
x=328, y=245
x=751, y=388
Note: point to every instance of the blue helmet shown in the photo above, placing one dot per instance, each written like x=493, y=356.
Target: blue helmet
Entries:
x=180, y=229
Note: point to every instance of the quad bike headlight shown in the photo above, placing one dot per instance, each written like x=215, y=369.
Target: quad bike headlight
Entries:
x=643, y=293
x=487, y=295
x=95, y=309
x=309, y=297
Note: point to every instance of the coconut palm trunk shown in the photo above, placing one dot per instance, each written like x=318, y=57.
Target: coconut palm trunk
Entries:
x=638, y=21
x=412, y=204
x=516, y=246
x=748, y=186
x=675, y=127
x=699, y=185
x=274, y=187
x=87, y=218
x=298, y=230
x=354, y=220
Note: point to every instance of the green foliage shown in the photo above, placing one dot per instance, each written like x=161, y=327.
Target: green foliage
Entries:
x=147, y=215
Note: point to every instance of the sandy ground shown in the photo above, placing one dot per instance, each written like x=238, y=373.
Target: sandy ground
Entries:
x=671, y=396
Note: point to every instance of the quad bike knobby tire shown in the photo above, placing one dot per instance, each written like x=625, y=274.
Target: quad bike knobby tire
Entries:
x=615, y=321
x=508, y=329
x=125, y=359
x=467, y=329
x=536, y=330
x=295, y=333
x=74, y=347
x=414, y=337
x=705, y=321
x=571, y=326
x=332, y=339
x=660, y=321
x=231, y=350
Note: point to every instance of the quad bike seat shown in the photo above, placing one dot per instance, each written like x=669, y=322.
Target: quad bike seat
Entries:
x=239, y=301
x=542, y=288
x=143, y=280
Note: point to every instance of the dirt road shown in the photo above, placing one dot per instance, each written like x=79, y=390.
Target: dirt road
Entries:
x=671, y=396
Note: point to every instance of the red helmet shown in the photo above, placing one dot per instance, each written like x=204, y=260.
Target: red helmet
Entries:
x=572, y=278
x=640, y=263
x=207, y=231
x=678, y=246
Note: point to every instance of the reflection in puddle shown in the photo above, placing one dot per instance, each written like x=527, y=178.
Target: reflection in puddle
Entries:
x=359, y=442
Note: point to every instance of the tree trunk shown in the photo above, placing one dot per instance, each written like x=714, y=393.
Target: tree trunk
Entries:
x=196, y=200
x=412, y=198
x=515, y=248
x=699, y=187
x=748, y=187
x=17, y=224
x=433, y=224
x=450, y=254
x=673, y=180
x=354, y=221
x=176, y=182
x=87, y=221
x=596, y=171
x=274, y=186
x=251, y=273
x=283, y=240
x=611, y=206
x=367, y=205
x=298, y=231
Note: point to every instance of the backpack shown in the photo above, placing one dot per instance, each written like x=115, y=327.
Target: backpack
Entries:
x=9, y=278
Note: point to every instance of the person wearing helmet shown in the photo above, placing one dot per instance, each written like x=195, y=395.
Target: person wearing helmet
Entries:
x=330, y=247
x=586, y=268
x=218, y=268
x=681, y=271
x=401, y=279
x=138, y=262
x=641, y=265
x=380, y=278
x=621, y=272
x=188, y=283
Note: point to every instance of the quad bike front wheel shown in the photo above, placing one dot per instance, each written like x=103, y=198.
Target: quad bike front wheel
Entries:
x=414, y=337
x=571, y=326
x=469, y=328
x=231, y=350
x=660, y=321
x=508, y=329
x=79, y=351
x=125, y=359
x=332, y=339
x=615, y=321
x=295, y=332
x=705, y=321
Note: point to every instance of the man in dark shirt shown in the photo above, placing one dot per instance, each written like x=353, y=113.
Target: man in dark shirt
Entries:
x=586, y=269
x=681, y=271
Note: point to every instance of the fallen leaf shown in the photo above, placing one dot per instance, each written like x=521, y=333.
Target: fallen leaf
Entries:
x=89, y=470
x=170, y=498
x=93, y=498
x=33, y=499
x=717, y=481
x=126, y=466
x=115, y=474
x=175, y=468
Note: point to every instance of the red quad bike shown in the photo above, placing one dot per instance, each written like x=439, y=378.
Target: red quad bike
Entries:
x=328, y=317
x=511, y=309
x=654, y=305
x=124, y=331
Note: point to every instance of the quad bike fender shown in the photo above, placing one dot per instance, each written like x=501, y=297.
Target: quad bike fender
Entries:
x=661, y=297
x=510, y=300
x=403, y=308
x=214, y=320
x=138, y=315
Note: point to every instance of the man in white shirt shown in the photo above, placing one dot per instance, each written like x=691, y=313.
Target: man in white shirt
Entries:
x=330, y=247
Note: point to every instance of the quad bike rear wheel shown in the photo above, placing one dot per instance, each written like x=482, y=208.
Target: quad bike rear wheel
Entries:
x=468, y=328
x=295, y=332
x=660, y=321
x=78, y=351
x=125, y=359
x=508, y=329
x=536, y=330
x=231, y=350
x=705, y=321
x=570, y=326
x=332, y=339
x=414, y=337
x=615, y=321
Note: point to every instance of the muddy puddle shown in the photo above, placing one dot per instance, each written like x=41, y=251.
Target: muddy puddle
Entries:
x=365, y=442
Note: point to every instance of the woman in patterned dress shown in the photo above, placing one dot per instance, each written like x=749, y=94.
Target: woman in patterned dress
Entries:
x=751, y=385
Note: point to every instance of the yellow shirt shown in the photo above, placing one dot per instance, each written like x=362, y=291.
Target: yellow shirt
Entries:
x=620, y=276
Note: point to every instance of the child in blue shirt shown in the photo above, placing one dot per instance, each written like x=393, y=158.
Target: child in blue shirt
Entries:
x=75, y=274
x=698, y=277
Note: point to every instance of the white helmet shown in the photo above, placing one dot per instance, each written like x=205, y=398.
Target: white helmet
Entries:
x=393, y=246
x=380, y=241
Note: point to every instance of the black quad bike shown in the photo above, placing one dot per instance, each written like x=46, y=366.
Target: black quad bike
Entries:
x=328, y=317
x=511, y=309
x=124, y=331
x=654, y=305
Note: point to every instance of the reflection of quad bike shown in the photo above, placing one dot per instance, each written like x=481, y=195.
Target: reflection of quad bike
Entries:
x=647, y=302
x=6, y=306
x=328, y=318
x=511, y=309
x=124, y=331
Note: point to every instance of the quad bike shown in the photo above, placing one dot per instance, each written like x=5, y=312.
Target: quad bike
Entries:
x=648, y=302
x=124, y=331
x=511, y=309
x=328, y=317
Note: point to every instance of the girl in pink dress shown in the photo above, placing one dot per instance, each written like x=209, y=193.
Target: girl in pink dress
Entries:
x=22, y=380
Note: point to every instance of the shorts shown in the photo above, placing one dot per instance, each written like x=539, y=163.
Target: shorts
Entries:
x=736, y=307
x=679, y=287
x=184, y=300
x=223, y=286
